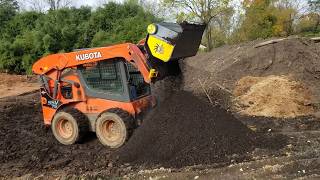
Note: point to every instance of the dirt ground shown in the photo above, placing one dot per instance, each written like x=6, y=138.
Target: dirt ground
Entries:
x=194, y=133
x=12, y=85
x=290, y=149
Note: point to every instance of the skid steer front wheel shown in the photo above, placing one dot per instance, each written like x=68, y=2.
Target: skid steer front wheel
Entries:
x=114, y=127
x=69, y=127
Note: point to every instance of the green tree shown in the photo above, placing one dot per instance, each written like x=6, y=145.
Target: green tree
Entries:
x=24, y=21
x=200, y=10
x=314, y=5
x=28, y=35
x=8, y=9
x=258, y=20
x=115, y=23
x=221, y=28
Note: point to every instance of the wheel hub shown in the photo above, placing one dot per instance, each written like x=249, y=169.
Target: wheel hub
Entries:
x=65, y=128
x=111, y=130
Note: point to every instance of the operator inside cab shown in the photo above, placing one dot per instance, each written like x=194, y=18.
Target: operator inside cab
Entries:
x=113, y=79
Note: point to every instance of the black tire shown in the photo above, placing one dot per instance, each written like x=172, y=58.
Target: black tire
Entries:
x=114, y=127
x=69, y=126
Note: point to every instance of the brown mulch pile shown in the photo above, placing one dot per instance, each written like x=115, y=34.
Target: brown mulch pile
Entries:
x=272, y=96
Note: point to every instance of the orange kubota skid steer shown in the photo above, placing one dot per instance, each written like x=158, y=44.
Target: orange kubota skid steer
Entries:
x=105, y=89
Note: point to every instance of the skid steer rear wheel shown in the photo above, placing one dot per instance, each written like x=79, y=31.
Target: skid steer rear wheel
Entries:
x=69, y=126
x=114, y=127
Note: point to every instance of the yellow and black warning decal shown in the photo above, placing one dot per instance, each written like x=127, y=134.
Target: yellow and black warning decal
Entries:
x=160, y=48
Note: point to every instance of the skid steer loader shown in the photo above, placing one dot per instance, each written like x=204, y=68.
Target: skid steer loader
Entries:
x=106, y=89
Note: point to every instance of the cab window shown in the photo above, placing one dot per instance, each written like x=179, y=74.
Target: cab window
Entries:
x=103, y=76
x=137, y=86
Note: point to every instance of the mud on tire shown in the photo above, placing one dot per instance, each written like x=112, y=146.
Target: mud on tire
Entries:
x=69, y=126
x=114, y=127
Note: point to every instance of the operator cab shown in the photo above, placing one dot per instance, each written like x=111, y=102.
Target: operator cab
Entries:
x=113, y=80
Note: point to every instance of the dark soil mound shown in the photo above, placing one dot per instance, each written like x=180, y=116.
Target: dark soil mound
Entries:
x=298, y=58
x=185, y=130
x=27, y=146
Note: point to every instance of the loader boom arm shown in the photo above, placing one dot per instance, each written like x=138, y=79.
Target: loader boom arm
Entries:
x=58, y=62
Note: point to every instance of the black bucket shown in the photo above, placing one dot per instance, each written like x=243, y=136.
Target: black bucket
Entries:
x=185, y=38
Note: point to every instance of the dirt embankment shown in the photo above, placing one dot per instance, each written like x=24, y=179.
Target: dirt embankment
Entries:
x=13, y=85
x=298, y=59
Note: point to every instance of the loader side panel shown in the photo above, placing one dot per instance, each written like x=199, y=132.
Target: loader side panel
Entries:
x=68, y=90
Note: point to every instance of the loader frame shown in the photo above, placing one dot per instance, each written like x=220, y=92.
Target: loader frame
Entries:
x=53, y=78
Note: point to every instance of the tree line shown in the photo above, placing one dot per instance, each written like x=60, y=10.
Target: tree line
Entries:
x=234, y=21
x=26, y=36
x=51, y=26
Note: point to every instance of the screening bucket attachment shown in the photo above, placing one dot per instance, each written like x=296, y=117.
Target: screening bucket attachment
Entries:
x=171, y=41
x=168, y=42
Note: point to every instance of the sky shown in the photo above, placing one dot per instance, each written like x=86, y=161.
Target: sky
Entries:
x=88, y=2
x=41, y=5
x=93, y=3
x=97, y=3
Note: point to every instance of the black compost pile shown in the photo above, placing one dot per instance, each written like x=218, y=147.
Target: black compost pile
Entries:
x=186, y=130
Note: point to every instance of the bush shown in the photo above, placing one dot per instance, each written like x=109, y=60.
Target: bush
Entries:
x=27, y=36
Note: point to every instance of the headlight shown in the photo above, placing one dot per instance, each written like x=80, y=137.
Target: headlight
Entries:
x=152, y=29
